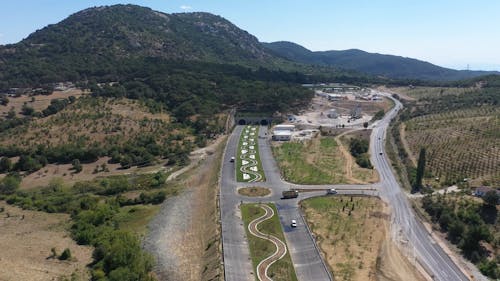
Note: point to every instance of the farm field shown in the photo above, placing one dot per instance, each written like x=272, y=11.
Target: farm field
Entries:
x=353, y=233
x=459, y=144
x=416, y=93
x=248, y=165
x=318, y=161
x=281, y=270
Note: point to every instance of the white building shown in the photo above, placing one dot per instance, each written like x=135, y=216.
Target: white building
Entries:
x=282, y=135
x=290, y=128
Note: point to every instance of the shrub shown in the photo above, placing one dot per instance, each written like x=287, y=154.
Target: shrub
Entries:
x=9, y=184
x=66, y=255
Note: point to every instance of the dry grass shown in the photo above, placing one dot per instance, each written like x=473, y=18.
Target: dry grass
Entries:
x=254, y=191
x=353, y=235
x=92, y=120
x=26, y=240
x=64, y=171
x=38, y=103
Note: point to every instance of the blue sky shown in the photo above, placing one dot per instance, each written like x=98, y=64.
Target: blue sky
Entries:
x=451, y=33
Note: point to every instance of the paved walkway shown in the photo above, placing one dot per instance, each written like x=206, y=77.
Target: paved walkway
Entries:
x=280, y=252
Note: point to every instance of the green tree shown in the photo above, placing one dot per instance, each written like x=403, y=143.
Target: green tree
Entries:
x=27, y=110
x=420, y=170
x=491, y=198
x=77, y=166
x=11, y=114
x=5, y=164
x=4, y=100
x=66, y=254
x=9, y=184
x=365, y=125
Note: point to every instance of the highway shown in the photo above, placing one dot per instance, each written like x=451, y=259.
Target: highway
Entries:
x=404, y=224
x=308, y=263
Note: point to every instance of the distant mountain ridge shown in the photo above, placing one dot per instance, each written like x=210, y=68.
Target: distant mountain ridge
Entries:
x=389, y=66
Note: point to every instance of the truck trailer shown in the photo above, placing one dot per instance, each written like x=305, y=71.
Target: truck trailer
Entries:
x=288, y=194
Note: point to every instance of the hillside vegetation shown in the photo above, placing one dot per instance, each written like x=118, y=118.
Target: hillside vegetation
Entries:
x=470, y=225
x=89, y=128
x=459, y=128
x=107, y=214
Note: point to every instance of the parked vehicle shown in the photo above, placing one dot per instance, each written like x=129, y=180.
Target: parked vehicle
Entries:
x=288, y=194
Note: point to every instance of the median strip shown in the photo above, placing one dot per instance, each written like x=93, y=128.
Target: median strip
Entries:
x=249, y=167
x=270, y=258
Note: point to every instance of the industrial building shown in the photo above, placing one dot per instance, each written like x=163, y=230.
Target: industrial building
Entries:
x=283, y=132
x=282, y=135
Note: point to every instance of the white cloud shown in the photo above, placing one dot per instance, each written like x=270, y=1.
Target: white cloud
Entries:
x=186, y=7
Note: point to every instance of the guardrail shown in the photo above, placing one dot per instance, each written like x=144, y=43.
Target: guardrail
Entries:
x=220, y=209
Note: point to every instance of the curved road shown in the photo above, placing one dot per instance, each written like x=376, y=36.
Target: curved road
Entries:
x=306, y=258
x=280, y=252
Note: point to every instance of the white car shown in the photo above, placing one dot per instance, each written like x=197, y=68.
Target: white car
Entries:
x=231, y=160
x=294, y=223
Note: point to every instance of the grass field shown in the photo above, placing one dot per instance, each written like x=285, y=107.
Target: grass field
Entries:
x=460, y=144
x=282, y=270
x=428, y=92
x=314, y=162
x=318, y=161
x=247, y=137
x=350, y=232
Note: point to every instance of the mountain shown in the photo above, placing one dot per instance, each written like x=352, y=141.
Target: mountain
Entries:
x=128, y=30
x=99, y=42
x=389, y=66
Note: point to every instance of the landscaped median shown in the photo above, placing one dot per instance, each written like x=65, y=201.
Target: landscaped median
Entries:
x=248, y=165
x=261, y=248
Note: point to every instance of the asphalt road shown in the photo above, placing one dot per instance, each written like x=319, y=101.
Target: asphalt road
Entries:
x=404, y=225
x=306, y=258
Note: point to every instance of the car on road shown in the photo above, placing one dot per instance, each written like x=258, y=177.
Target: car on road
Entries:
x=331, y=191
x=294, y=223
x=380, y=153
x=232, y=159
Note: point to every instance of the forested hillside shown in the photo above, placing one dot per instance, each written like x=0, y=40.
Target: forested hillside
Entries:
x=389, y=66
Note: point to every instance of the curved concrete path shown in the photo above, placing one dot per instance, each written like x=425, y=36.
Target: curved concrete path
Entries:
x=280, y=252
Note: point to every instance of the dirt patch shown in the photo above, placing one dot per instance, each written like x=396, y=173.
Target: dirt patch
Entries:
x=393, y=266
x=26, y=240
x=353, y=233
x=254, y=191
